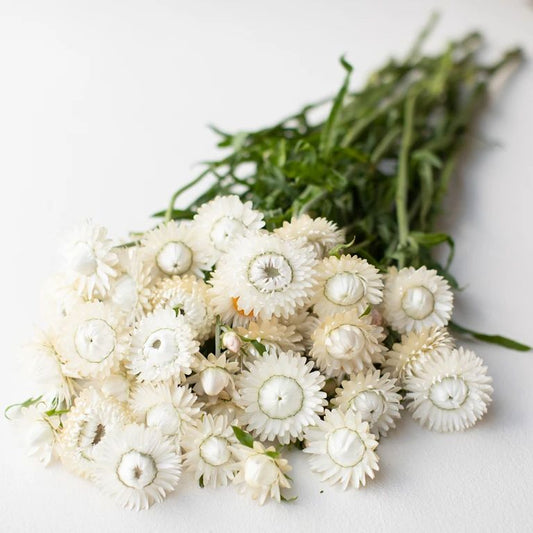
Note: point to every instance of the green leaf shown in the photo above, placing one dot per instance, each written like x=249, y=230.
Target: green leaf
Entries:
x=243, y=437
x=273, y=455
x=260, y=347
x=26, y=403
x=56, y=412
x=201, y=481
x=492, y=339
x=287, y=500
x=175, y=214
x=366, y=312
x=336, y=250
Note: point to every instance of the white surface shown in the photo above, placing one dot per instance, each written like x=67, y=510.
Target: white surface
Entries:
x=103, y=107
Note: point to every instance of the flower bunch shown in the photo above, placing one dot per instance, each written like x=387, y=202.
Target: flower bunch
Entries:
x=210, y=345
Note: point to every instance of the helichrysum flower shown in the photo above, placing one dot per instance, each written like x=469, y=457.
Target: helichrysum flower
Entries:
x=59, y=297
x=163, y=347
x=166, y=406
x=342, y=449
x=414, y=347
x=262, y=472
x=91, y=418
x=321, y=233
x=47, y=370
x=220, y=221
x=212, y=375
x=137, y=466
x=281, y=395
x=346, y=283
x=175, y=249
x=263, y=276
x=188, y=296
x=374, y=397
x=131, y=290
x=91, y=260
x=210, y=451
x=346, y=343
x=93, y=340
x=449, y=391
x=416, y=299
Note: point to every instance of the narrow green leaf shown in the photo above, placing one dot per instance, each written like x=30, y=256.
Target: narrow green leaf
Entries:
x=492, y=339
x=175, y=214
x=273, y=455
x=243, y=437
x=287, y=500
x=26, y=403
x=201, y=481
x=260, y=347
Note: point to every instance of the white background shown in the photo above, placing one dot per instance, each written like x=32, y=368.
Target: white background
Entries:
x=103, y=108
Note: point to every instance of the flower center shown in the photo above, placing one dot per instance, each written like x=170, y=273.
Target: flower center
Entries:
x=270, y=272
x=345, y=447
x=344, y=289
x=94, y=340
x=164, y=417
x=224, y=230
x=344, y=342
x=83, y=259
x=449, y=393
x=214, y=450
x=418, y=302
x=371, y=405
x=91, y=433
x=174, y=258
x=280, y=397
x=160, y=346
x=260, y=471
x=136, y=470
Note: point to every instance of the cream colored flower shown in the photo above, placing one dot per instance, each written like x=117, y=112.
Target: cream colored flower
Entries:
x=374, y=397
x=262, y=473
x=264, y=277
x=210, y=447
x=346, y=343
x=273, y=333
x=449, y=391
x=342, y=449
x=213, y=375
x=345, y=284
x=137, y=466
x=281, y=395
x=416, y=299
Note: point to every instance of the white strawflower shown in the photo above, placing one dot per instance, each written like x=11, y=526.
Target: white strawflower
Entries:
x=212, y=375
x=223, y=219
x=38, y=432
x=450, y=390
x=91, y=260
x=281, y=395
x=47, y=371
x=137, y=466
x=262, y=473
x=346, y=343
x=346, y=283
x=416, y=299
x=91, y=418
x=342, y=449
x=375, y=397
x=263, y=276
x=210, y=447
x=222, y=405
x=175, y=249
x=115, y=385
x=131, y=291
x=414, y=347
x=189, y=297
x=93, y=340
x=166, y=406
x=321, y=233
x=163, y=347
x=273, y=333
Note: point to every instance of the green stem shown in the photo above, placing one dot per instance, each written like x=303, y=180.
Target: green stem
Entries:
x=217, y=337
x=179, y=192
x=402, y=184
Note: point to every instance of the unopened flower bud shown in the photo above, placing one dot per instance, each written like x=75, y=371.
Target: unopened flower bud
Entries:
x=231, y=341
x=214, y=380
x=260, y=471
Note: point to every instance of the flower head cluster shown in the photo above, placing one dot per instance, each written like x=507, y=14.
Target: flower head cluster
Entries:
x=209, y=343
